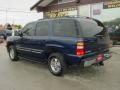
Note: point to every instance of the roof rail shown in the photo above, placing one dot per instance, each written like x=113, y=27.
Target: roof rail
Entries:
x=71, y=16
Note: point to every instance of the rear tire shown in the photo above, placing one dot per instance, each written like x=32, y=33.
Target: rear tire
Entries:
x=13, y=53
x=56, y=64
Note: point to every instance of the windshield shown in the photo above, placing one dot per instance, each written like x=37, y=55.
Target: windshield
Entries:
x=90, y=28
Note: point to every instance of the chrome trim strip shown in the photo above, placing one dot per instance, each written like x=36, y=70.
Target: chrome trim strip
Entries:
x=29, y=49
x=73, y=55
x=23, y=49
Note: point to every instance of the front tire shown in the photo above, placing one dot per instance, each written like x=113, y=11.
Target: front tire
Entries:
x=13, y=53
x=56, y=64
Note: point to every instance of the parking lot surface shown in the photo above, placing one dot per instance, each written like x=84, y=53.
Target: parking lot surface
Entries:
x=26, y=75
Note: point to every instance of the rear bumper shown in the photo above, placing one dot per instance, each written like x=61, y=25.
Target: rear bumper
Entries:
x=94, y=61
x=107, y=56
x=74, y=59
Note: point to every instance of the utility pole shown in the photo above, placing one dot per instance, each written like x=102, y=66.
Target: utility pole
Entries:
x=13, y=21
x=6, y=14
x=91, y=10
x=78, y=10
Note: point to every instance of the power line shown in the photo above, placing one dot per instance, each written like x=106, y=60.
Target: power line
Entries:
x=14, y=9
x=17, y=11
x=7, y=10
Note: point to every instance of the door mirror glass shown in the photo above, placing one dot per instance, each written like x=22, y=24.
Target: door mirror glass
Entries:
x=20, y=34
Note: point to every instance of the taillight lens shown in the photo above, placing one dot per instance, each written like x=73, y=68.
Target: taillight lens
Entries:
x=80, y=48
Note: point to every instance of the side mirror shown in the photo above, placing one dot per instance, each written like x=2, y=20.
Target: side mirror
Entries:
x=20, y=34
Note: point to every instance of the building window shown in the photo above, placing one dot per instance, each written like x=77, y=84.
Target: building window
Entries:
x=64, y=1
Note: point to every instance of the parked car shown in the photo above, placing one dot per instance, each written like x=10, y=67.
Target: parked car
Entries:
x=1, y=39
x=2, y=34
x=115, y=36
x=61, y=42
x=5, y=33
x=8, y=33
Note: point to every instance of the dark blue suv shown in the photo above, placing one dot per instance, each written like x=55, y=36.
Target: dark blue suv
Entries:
x=61, y=42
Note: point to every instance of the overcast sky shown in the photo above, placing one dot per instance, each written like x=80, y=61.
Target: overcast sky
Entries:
x=22, y=4
x=17, y=17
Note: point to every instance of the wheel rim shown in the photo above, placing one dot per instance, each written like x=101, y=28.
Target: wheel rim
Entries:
x=55, y=65
x=12, y=53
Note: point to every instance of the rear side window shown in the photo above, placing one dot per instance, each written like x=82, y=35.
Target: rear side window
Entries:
x=64, y=28
x=42, y=28
x=90, y=28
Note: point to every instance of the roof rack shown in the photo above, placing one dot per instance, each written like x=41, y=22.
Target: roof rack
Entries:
x=71, y=16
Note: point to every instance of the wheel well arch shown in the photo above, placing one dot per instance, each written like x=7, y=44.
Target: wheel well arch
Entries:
x=9, y=44
x=55, y=50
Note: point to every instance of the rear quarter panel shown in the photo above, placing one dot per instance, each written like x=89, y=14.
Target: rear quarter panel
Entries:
x=66, y=46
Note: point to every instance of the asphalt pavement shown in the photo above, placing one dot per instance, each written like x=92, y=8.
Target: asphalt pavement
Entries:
x=26, y=75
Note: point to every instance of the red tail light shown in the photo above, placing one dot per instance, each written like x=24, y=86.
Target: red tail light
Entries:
x=80, y=48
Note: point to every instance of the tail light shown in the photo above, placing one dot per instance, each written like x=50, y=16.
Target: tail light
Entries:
x=80, y=48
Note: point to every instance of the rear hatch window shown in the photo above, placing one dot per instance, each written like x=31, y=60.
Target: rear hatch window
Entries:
x=90, y=28
x=94, y=35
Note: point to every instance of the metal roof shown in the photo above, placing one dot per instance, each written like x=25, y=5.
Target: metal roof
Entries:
x=41, y=3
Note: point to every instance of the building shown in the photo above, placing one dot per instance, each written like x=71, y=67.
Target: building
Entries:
x=57, y=8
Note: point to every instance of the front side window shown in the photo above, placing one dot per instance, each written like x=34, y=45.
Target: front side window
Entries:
x=42, y=28
x=64, y=28
x=28, y=30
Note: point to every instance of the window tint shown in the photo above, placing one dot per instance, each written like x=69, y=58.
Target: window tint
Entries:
x=90, y=28
x=42, y=28
x=28, y=30
x=65, y=28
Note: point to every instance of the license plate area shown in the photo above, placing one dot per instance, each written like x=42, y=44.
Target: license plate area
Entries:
x=89, y=63
x=98, y=59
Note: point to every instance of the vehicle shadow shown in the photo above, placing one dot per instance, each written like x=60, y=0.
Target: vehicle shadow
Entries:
x=72, y=71
x=86, y=72
x=33, y=64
